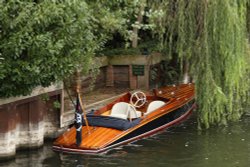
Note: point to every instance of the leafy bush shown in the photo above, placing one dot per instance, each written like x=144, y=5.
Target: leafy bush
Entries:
x=143, y=49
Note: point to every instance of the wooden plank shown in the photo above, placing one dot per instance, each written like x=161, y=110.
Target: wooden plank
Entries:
x=101, y=137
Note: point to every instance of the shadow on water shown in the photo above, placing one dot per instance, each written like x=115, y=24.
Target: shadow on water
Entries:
x=180, y=146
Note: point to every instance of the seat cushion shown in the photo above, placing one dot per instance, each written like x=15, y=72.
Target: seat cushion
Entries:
x=154, y=105
x=122, y=116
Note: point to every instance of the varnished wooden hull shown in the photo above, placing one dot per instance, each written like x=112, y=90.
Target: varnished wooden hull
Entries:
x=178, y=109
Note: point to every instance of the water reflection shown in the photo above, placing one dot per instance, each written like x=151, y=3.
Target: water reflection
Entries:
x=181, y=146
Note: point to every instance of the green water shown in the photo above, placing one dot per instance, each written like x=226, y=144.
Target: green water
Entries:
x=180, y=146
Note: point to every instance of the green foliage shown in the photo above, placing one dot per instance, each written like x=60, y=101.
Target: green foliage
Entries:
x=45, y=97
x=1, y=68
x=57, y=105
x=225, y=57
x=143, y=49
x=212, y=37
x=41, y=42
x=168, y=74
x=121, y=51
x=45, y=41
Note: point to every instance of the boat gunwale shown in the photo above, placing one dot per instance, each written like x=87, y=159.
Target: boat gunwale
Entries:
x=100, y=150
x=156, y=114
x=172, y=105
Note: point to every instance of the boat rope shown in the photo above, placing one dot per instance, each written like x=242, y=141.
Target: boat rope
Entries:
x=84, y=111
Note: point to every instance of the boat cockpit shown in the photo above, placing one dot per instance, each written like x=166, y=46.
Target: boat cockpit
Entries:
x=126, y=113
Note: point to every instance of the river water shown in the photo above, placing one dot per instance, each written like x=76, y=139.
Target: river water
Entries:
x=179, y=146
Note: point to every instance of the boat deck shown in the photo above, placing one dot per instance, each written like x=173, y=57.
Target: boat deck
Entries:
x=100, y=137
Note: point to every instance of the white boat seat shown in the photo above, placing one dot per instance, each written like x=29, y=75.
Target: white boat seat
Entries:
x=120, y=110
x=154, y=105
x=134, y=114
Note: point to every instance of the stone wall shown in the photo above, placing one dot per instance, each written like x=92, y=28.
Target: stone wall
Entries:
x=115, y=71
x=87, y=85
x=26, y=122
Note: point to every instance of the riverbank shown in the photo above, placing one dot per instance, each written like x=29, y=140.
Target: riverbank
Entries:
x=28, y=136
x=102, y=95
x=224, y=146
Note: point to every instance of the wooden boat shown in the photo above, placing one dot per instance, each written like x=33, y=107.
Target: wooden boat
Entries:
x=129, y=118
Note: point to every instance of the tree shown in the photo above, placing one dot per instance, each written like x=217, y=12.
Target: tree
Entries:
x=211, y=36
x=42, y=42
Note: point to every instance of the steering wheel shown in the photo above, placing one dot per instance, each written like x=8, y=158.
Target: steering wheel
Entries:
x=140, y=99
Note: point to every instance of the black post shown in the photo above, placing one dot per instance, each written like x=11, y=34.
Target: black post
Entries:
x=78, y=122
